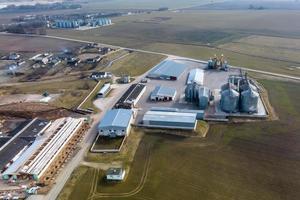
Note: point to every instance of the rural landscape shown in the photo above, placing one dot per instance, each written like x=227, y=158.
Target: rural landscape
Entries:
x=151, y=100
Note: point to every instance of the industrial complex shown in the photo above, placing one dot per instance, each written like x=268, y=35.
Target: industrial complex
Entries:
x=173, y=97
x=182, y=92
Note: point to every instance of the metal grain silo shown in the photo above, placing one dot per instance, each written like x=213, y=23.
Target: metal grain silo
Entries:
x=226, y=86
x=203, y=97
x=189, y=93
x=229, y=100
x=249, y=100
x=192, y=92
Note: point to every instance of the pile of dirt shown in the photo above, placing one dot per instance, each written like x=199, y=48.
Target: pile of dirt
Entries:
x=32, y=110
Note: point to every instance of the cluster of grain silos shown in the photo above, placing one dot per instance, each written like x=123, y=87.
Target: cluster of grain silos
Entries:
x=239, y=95
x=67, y=24
x=198, y=94
x=100, y=22
x=217, y=63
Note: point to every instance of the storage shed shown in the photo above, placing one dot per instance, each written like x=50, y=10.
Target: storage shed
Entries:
x=161, y=93
x=115, y=174
x=104, y=90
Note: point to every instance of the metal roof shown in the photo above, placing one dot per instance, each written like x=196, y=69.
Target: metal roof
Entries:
x=114, y=171
x=168, y=68
x=25, y=156
x=163, y=91
x=116, y=117
x=196, y=76
x=174, y=117
x=104, y=88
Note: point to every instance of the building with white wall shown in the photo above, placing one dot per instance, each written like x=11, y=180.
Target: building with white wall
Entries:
x=116, y=123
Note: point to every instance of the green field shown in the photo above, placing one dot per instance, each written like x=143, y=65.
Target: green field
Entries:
x=257, y=160
x=135, y=64
x=249, y=39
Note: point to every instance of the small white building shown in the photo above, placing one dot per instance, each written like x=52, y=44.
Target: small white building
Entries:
x=116, y=123
x=14, y=56
x=115, y=174
x=101, y=75
x=104, y=90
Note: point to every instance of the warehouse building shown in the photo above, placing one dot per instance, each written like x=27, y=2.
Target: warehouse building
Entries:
x=161, y=93
x=196, y=76
x=42, y=157
x=172, y=120
x=131, y=96
x=104, y=90
x=199, y=113
x=116, y=123
x=62, y=132
x=16, y=145
x=168, y=70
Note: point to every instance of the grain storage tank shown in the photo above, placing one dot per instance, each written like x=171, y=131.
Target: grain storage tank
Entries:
x=230, y=100
x=249, y=100
x=191, y=92
x=203, y=97
x=226, y=86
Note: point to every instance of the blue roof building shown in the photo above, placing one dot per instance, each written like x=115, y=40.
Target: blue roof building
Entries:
x=168, y=69
x=116, y=123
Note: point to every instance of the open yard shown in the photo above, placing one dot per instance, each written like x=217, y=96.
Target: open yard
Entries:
x=258, y=160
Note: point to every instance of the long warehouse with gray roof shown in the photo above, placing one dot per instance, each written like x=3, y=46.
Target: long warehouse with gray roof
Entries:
x=168, y=70
x=172, y=120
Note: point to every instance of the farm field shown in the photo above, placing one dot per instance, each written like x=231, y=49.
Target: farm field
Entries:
x=9, y=43
x=239, y=35
x=236, y=59
x=141, y=4
x=284, y=49
x=258, y=160
x=135, y=64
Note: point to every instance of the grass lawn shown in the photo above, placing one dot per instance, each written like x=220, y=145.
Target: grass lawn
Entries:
x=82, y=187
x=88, y=104
x=257, y=160
x=135, y=64
x=108, y=143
